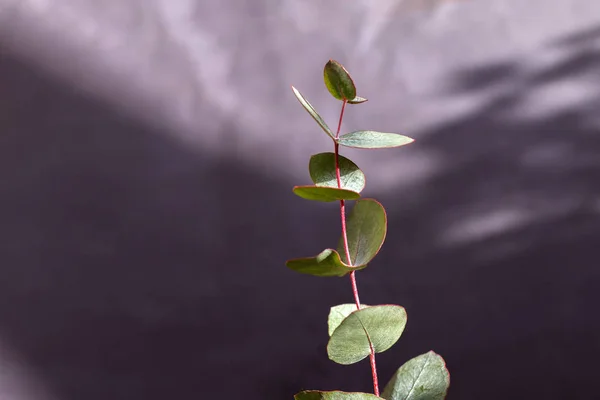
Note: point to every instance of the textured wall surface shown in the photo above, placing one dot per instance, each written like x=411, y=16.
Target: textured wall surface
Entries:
x=147, y=154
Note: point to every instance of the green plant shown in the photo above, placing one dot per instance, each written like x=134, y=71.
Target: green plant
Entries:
x=358, y=331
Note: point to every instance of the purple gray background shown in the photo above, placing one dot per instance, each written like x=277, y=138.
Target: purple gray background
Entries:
x=147, y=154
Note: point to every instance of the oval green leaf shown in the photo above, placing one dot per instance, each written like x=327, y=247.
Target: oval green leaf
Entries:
x=326, y=194
x=377, y=326
x=338, y=81
x=373, y=140
x=322, y=172
x=423, y=378
x=357, y=100
x=313, y=113
x=325, y=264
x=339, y=313
x=334, y=395
x=366, y=227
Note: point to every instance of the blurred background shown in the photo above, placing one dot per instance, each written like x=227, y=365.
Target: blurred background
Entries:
x=147, y=153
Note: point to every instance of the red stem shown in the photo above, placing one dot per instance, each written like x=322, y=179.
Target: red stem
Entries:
x=347, y=248
x=374, y=371
x=343, y=218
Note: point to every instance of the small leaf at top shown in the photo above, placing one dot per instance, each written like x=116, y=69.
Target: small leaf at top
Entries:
x=366, y=227
x=339, y=313
x=326, y=194
x=357, y=100
x=322, y=172
x=313, y=113
x=338, y=81
x=376, y=326
x=423, y=378
x=373, y=140
x=334, y=395
x=325, y=264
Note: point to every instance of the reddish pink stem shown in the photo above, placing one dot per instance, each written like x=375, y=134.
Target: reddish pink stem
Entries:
x=374, y=371
x=347, y=248
x=343, y=218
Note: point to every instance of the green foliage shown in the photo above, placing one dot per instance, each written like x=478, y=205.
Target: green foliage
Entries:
x=357, y=331
x=373, y=140
x=323, y=173
x=338, y=81
x=357, y=100
x=313, y=113
x=326, y=194
x=317, y=395
x=423, y=378
x=326, y=263
x=365, y=229
x=339, y=313
x=374, y=328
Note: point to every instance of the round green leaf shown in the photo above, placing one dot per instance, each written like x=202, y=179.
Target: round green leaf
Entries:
x=376, y=326
x=366, y=227
x=338, y=81
x=423, y=378
x=373, y=140
x=334, y=395
x=313, y=113
x=327, y=263
x=322, y=172
x=357, y=100
x=339, y=313
x=322, y=193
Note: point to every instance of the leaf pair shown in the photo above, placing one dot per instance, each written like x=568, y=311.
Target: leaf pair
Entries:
x=366, y=228
x=423, y=378
x=365, y=139
x=341, y=86
x=354, y=334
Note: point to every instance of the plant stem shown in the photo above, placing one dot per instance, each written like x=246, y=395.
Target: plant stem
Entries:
x=374, y=371
x=343, y=218
x=347, y=248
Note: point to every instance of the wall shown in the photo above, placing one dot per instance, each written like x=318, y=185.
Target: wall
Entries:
x=148, y=152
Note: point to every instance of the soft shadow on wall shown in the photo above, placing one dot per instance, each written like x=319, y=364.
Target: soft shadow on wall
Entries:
x=133, y=268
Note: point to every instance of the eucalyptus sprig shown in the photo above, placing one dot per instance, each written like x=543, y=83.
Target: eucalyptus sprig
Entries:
x=357, y=331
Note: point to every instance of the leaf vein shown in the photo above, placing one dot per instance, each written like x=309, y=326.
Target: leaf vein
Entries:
x=418, y=377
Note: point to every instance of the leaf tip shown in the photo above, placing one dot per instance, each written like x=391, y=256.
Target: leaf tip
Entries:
x=358, y=100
